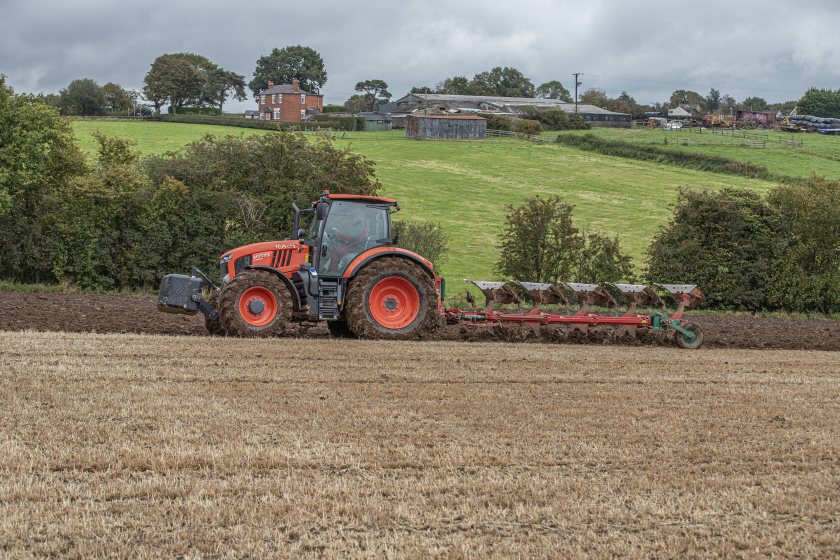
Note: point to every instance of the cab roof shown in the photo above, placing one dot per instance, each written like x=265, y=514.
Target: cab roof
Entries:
x=362, y=198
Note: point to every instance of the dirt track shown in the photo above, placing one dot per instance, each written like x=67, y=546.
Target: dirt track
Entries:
x=137, y=314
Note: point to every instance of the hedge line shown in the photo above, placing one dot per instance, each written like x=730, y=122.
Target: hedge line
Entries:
x=700, y=162
x=336, y=123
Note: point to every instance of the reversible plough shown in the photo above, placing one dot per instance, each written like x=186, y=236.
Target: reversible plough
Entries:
x=563, y=296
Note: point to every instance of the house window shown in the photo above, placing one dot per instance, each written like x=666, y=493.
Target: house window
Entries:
x=302, y=113
x=276, y=114
x=302, y=99
x=274, y=98
x=280, y=98
x=263, y=99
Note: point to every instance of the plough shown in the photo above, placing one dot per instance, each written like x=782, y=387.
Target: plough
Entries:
x=586, y=296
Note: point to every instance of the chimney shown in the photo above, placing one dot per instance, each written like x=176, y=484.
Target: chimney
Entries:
x=295, y=85
x=270, y=84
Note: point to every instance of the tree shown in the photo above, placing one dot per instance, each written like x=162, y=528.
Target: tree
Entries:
x=424, y=238
x=282, y=65
x=179, y=79
x=553, y=90
x=727, y=103
x=356, y=104
x=505, y=82
x=820, y=103
x=457, y=85
x=374, y=92
x=83, y=97
x=686, y=97
x=594, y=96
x=713, y=100
x=421, y=89
x=540, y=244
x=223, y=83
x=38, y=156
x=754, y=104
x=726, y=242
x=806, y=275
x=117, y=99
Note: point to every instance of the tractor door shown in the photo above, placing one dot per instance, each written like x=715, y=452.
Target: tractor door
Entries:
x=351, y=228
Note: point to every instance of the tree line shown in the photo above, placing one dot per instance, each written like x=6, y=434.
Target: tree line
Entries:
x=189, y=80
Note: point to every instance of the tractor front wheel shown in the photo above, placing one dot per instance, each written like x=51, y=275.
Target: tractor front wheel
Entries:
x=392, y=298
x=255, y=303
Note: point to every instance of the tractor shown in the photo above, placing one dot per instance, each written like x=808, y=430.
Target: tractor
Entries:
x=344, y=269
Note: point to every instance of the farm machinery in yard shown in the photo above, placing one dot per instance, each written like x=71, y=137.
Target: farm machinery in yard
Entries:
x=346, y=269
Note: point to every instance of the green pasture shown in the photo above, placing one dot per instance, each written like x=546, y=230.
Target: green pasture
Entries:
x=465, y=186
x=818, y=154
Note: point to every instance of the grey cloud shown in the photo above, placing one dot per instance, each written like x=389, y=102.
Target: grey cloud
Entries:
x=648, y=48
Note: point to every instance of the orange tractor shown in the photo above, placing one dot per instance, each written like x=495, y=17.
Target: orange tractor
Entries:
x=347, y=270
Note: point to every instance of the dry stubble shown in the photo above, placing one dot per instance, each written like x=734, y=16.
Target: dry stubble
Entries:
x=116, y=445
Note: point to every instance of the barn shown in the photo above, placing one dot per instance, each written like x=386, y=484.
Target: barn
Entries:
x=445, y=127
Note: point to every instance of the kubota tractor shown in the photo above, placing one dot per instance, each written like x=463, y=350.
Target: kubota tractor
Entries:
x=345, y=270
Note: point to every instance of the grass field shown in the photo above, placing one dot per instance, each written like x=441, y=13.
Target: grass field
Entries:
x=129, y=446
x=818, y=153
x=465, y=186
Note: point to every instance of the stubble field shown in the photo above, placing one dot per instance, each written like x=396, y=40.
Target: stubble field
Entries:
x=133, y=445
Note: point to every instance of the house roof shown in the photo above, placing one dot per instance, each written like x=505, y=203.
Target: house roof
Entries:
x=463, y=102
x=286, y=88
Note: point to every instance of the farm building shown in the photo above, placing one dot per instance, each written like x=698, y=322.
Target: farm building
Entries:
x=373, y=121
x=250, y=114
x=758, y=117
x=440, y=102
x=398, y=120
x=679, y=113
x=446, y=127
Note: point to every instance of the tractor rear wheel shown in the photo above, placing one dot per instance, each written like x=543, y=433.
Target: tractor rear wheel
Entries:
x=255, y=303
x=392, y=298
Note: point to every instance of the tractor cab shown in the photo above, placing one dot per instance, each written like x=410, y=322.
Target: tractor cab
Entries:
x=345, y=226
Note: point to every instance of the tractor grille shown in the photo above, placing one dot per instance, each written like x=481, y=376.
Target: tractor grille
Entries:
x=282, y=258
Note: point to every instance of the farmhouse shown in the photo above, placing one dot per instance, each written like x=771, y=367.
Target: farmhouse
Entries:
x=445, y=127
x=442, y=102
x=288, y=103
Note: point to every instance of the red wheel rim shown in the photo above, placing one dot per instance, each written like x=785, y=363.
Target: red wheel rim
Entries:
x=394, y=302
x=258, y=306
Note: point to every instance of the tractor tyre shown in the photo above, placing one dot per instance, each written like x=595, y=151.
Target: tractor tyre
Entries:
x=214, y=326
x=339, y=329
x=255, y=303
x=392, y=298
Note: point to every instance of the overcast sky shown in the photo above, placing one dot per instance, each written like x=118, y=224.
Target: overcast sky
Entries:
x=775, y=50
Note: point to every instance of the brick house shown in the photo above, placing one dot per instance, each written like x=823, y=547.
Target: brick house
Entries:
x=287, y=102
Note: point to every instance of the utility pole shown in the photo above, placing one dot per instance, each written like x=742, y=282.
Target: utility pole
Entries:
x=577, y=83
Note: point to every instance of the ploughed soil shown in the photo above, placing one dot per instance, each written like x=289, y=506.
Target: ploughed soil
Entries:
x=138, y=314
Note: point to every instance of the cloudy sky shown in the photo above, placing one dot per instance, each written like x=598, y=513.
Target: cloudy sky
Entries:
x=775, y=50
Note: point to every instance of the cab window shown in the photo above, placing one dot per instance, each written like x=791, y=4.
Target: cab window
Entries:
x=350, y=229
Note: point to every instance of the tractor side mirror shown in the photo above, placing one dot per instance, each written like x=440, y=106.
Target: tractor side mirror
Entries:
x=321, y=210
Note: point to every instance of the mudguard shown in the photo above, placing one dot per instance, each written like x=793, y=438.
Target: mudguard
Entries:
x=371, y=254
